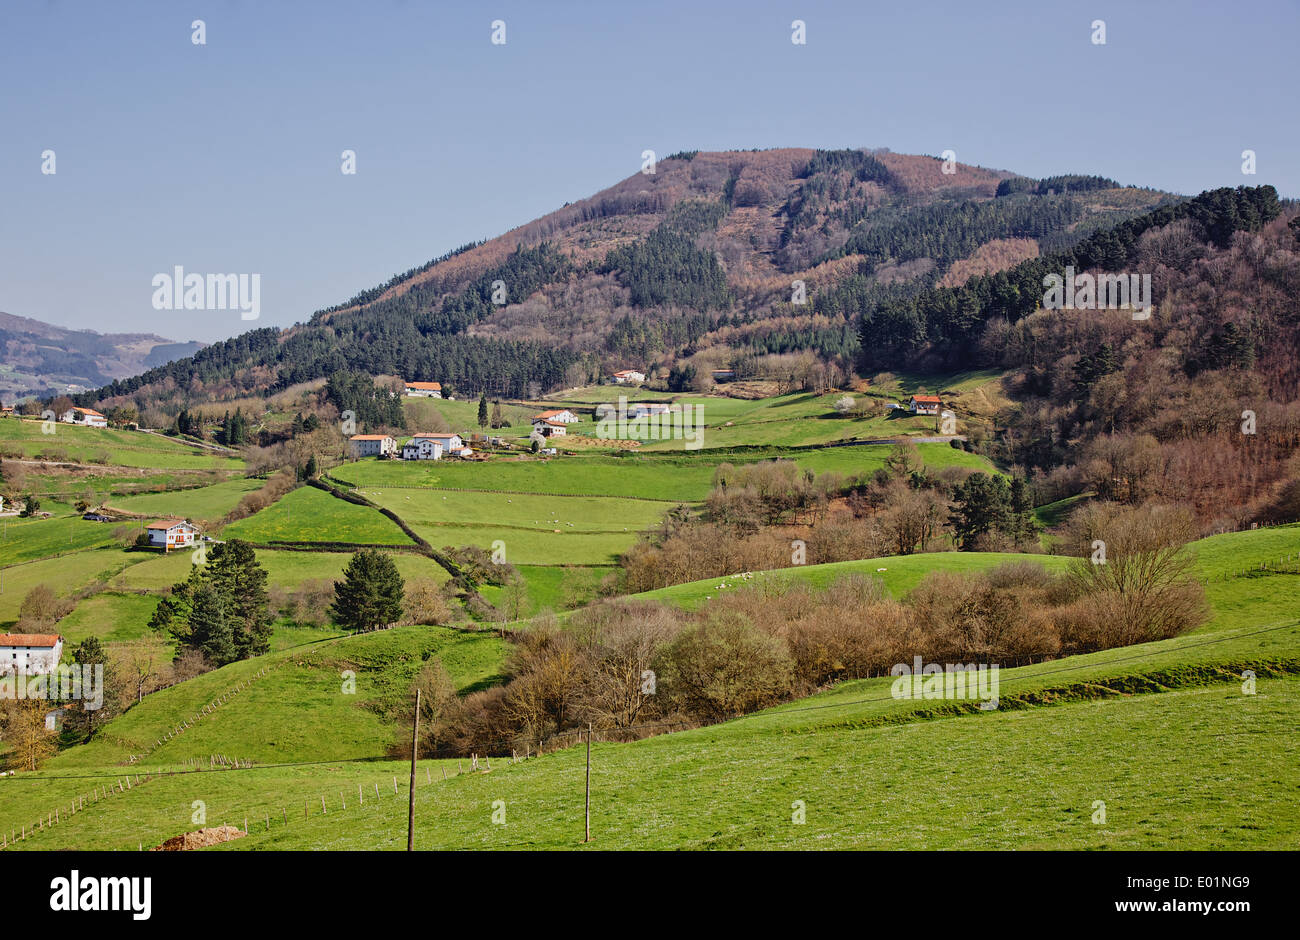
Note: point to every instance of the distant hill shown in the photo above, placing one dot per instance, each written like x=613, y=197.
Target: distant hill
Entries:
x=38, y=358
x=719, y=260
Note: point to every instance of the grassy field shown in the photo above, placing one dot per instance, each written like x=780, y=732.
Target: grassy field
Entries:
x=311, y=515
x=535, y=529
x=30, y=539
x=461, y=417
x=551, y=587
x=206, y=502
x=1002, y=780
x=111, y=616
x=872, y=771
x=674, y=478
x=65, y=576
x=797, y=420
x=899, y=573
x=107, y=446
x=300, y=709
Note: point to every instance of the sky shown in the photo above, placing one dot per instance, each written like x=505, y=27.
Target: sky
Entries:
x=226, y=157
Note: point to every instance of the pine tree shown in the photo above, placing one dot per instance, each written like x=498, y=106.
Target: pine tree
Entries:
x=482, y=411
x=370, y=594
x=212, y=632
x=233, y=572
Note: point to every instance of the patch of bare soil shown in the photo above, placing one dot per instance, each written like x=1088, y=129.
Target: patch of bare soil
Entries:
x=201, y=839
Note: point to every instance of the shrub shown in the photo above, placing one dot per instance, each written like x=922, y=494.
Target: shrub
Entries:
x=725, y=667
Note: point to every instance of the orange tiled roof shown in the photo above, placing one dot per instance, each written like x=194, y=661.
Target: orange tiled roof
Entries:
x=29, y=639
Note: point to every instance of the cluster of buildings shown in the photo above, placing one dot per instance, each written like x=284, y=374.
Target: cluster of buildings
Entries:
x=423, y=446
x=553, y=423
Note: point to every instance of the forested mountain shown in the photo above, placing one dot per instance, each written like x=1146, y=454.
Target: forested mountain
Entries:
x=734, y=259
x=812, y=266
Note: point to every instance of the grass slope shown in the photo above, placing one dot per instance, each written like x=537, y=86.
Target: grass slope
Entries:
x=311, y=515
x=1161, y=732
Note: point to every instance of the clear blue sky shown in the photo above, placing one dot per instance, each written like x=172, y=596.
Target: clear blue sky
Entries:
x=226, y=157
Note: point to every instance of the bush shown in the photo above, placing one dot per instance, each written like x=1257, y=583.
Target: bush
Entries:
x=725, y=667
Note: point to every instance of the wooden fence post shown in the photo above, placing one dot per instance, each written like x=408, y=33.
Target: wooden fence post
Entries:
x=588, y=836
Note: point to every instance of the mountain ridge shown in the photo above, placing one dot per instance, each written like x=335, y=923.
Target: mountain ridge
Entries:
x=38, y=358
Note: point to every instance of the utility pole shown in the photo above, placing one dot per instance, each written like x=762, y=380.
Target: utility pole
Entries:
x=410, y=806
x=588, y=838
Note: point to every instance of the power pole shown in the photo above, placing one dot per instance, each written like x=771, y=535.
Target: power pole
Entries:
x=410, y=806
x=588, y=838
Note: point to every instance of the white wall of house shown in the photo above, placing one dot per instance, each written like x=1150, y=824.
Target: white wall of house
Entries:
x=422, y=449
x=372, y=448
x=30, y=659
x=73, y=416
x=449, y=442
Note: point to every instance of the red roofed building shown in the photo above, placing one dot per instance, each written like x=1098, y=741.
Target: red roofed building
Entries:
x=29, y=653
x=424, y=389
x=925, y=404
x=558, y=416
x=87, y=416
x=171, y=533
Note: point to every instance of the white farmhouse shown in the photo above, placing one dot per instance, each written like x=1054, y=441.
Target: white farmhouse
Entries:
x=423, y=389
x=644, y=409
x=171, y=533
x=29, y=653
x=561, y=416
x=450, y=442
x=372, y=445
x=548, y=428
x=422, y=448
x=925, y=404
x=626, y=376
x=87, y=416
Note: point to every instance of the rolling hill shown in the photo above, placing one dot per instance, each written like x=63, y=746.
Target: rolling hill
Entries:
x=871, y=771
x=735, y=258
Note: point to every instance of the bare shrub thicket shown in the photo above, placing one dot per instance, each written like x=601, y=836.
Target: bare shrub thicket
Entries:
x=1132, y=582
x=627, y=665
x=772, y=514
